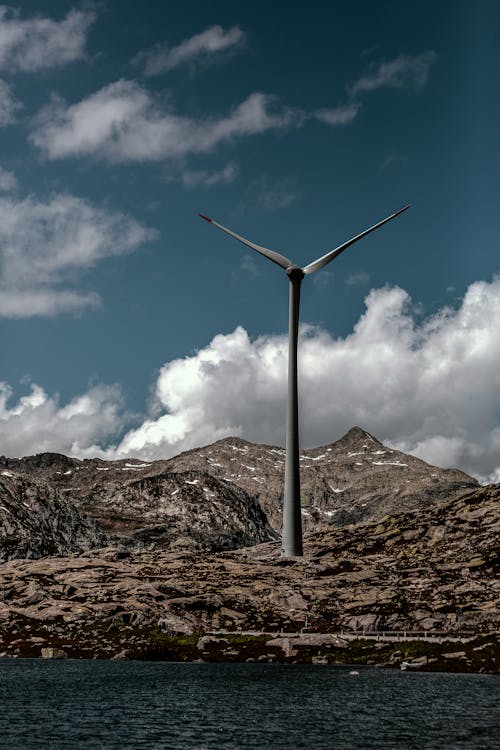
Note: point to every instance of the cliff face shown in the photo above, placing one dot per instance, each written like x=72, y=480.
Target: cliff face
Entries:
x=190, y=510
x=36, y=520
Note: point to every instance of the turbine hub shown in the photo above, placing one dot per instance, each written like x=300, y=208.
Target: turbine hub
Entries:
x=295, y=273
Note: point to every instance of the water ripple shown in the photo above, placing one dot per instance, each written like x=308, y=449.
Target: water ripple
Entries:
x=122, y=705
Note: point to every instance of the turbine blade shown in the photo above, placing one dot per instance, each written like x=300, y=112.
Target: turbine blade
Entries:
x=320, y=262
x=281, y=260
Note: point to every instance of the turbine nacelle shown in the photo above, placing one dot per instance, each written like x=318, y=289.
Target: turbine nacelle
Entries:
x=295, y=273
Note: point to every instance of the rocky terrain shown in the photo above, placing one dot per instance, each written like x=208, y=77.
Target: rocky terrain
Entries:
x=188, y=510
x=185, y=510
x=434, y=572
x=36, y=520
x=355, y=479
x=180, y=559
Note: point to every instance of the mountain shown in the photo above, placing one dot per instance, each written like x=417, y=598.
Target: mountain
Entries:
x=46, y=513
x=354, y=479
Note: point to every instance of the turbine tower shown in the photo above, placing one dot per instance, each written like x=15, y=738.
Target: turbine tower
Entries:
x=292, y=520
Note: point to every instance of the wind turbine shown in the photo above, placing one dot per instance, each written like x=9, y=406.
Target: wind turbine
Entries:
x=292, y=521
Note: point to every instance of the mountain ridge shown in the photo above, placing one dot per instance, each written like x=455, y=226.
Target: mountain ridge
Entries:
x=353, y=479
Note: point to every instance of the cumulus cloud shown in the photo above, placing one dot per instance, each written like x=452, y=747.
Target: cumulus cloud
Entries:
x=46, y=245
x=198, y=49
x=405, y=71
x=8, y=104
x=38, y=422
x=39, y=43
x=122, y=122
x=431, y=388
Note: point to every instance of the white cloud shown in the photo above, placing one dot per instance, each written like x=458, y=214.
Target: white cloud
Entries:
x=121, y=122
x=38, y=422
x=8, y=181
x=431, y=388
x=197, y=49
x=8, y=104
x=204, y=178
x=40, y=43
x=46, y=245
x=405, y=71
x=339, y=115
x=28, y=302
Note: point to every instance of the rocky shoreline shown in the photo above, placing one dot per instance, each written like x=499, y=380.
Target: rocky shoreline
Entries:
x=121, y=642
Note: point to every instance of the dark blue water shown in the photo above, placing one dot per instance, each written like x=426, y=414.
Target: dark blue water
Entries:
x=107, y=705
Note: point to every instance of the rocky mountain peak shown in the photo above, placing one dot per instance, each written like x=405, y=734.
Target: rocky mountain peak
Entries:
x=357, y=437
x=356, y=478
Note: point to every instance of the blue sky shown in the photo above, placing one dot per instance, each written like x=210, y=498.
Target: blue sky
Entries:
x=127, y=325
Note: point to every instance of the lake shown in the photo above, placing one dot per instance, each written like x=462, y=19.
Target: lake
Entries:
x=112, y=704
